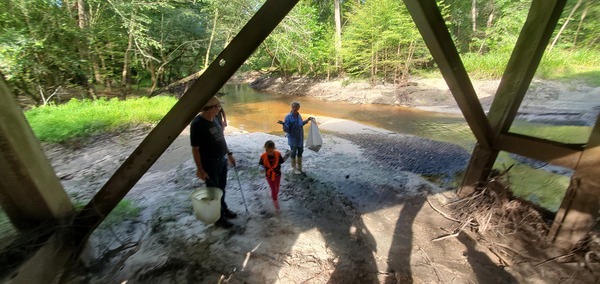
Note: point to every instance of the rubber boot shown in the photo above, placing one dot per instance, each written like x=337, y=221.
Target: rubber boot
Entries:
x=299, y=166
x=293, y=165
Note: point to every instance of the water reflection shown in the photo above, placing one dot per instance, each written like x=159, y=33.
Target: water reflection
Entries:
x=258, y=112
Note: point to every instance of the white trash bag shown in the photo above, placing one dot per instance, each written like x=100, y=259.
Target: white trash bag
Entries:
x=314, y=141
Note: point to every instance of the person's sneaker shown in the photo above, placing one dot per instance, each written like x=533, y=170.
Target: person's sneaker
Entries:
x=229, y=214
x=223, y=223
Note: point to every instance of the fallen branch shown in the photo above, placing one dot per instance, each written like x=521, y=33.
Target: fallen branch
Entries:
x=502, y=261
x=432, y=265
x=455, y=233
x=442, y=213
x=134, y=248
x=248, y=256
x=554, y=258
x=516, y=252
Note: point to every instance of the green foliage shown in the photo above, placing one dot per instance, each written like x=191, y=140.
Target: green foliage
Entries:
x=80, y=118
x=579, y=64
x=539, y=186
x=36, y=51
x=300, y=44
x=581, y=29
x=378, y=39
x=490, y=65
x=44, y=46
x=124, y=210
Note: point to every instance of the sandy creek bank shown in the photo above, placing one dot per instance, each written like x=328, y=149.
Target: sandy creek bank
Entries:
x=358, y=216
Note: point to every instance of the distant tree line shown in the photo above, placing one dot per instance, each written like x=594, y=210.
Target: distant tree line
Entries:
x=105, y=46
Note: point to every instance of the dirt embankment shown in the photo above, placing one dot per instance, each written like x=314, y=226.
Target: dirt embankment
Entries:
x=554, y=102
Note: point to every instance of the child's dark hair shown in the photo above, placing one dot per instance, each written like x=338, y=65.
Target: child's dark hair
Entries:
x=269, y=144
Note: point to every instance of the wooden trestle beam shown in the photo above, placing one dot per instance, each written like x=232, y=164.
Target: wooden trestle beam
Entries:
x=580, y=207
x=527, y=54
x=182, y=113
x=432, y=27
x=159, y=139
x=30, y=192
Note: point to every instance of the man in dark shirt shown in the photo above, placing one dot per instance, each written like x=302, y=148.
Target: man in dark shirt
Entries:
x=209, y=149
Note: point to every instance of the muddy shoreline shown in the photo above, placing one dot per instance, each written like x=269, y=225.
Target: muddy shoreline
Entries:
x=363, y=213
x=550, y=102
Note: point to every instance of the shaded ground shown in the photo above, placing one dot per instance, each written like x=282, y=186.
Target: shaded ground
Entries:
x=362, y=214
x=351, y=219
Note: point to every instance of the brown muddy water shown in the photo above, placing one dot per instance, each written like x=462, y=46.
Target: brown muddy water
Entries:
x=259, y=112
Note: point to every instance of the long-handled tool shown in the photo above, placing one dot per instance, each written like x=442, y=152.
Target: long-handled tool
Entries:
x=240, y=184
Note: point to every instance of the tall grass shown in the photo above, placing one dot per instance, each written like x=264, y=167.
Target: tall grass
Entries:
x=556, y=64
x=536, y=185
x=126, y=209
x=488, y=66
x=577, y=64
x=80, y=118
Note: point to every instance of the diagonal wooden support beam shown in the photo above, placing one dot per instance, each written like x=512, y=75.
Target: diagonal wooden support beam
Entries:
x=430, y=23
x=527, y=54
x=524, y=61
x=188, y=106
x=67, y=246
x=30, y=192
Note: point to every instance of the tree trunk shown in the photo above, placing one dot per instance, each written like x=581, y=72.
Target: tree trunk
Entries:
x=210, y=41
x=338, y=32
x=564, y=25
x=474, y=16
x=125, y=74
x=488, y=26
x=153, y=75
x=108, y=79
x=84, y=51
x=583, y=15
x=409, y=57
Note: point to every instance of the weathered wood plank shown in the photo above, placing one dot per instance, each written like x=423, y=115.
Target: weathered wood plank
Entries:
x=30, y=192
x=524, y=61
x=533, y=39
x=167, y=130
x=559, y=154
x=579, y=209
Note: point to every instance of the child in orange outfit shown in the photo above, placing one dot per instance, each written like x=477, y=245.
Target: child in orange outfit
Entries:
x=270, y=162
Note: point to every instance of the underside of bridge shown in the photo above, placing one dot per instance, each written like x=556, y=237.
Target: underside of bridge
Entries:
x=32, y=196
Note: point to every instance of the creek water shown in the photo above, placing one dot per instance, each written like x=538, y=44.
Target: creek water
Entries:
x=259, y=112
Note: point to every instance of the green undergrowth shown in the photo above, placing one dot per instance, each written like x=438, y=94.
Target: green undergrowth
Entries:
x=536, y=185
x=556, y=64
x=559, y=133
x=81, y=118
x=126, y=209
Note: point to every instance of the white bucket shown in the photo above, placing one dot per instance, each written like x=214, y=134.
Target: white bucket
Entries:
x=207, y=204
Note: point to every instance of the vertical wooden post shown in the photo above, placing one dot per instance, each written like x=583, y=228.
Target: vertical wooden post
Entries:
x=581, y=203
x=30, y=192
x=479, y=168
